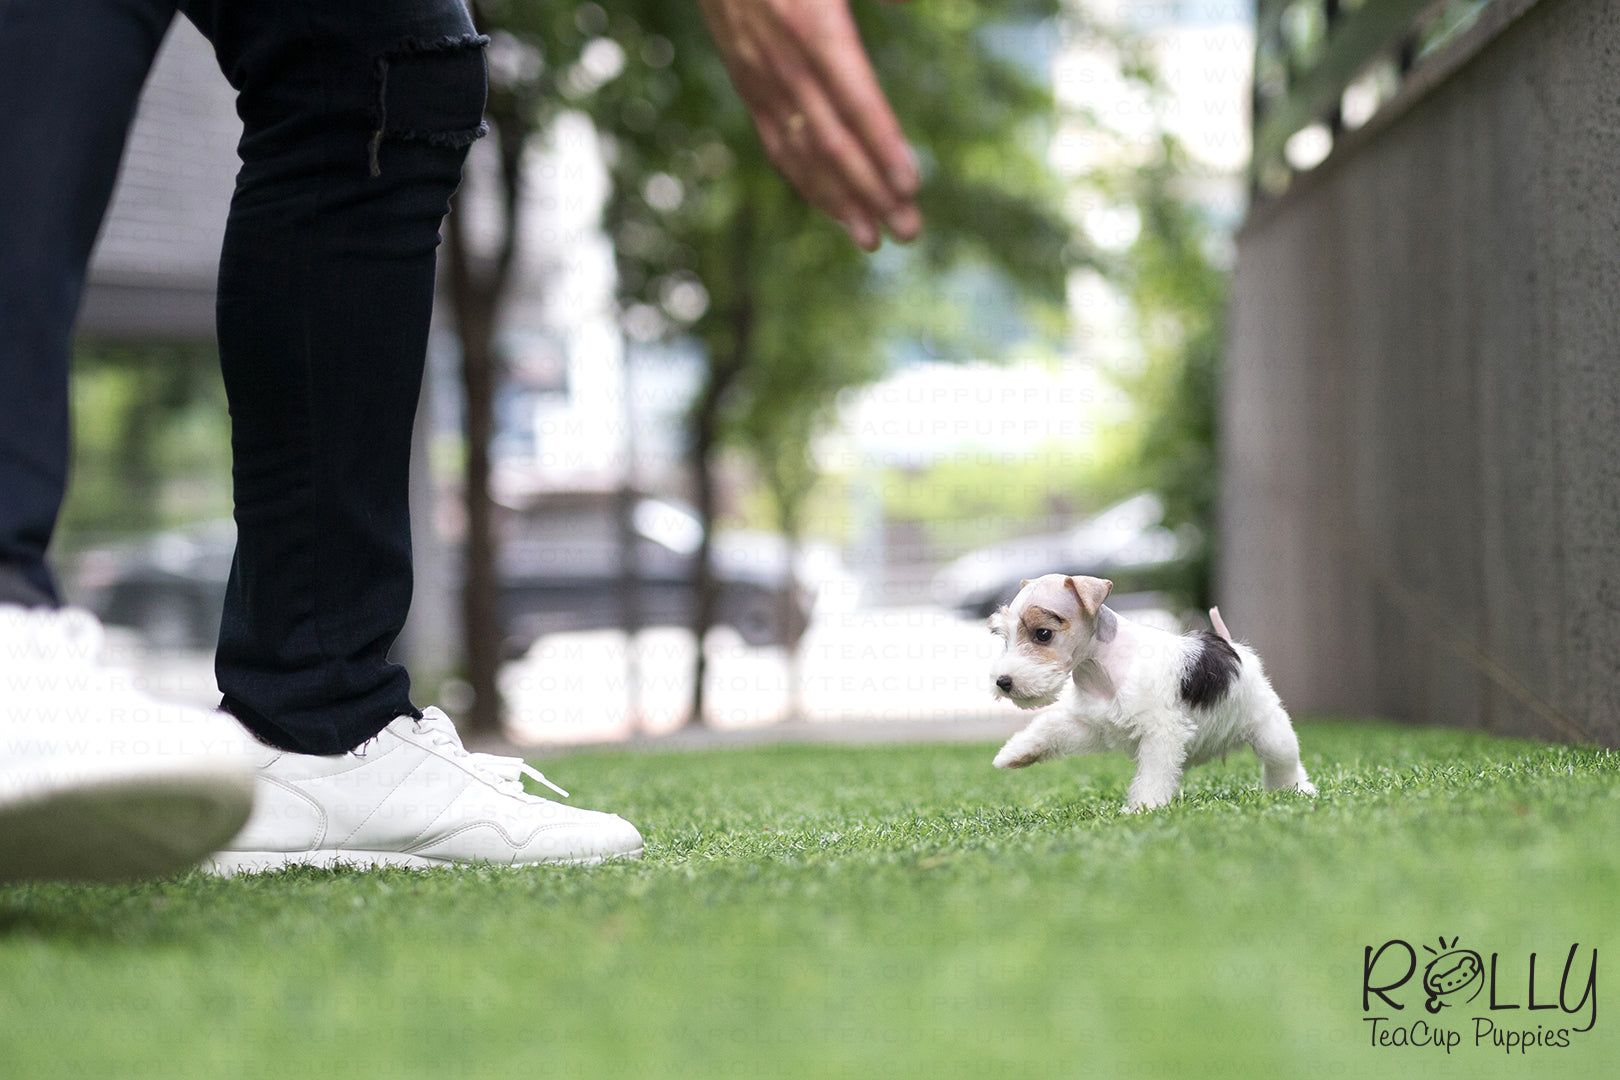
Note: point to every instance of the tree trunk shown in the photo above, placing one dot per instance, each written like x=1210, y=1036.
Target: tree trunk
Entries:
x=723, y=372
x=629, y=590
x=704, y=599
x=474, y=303
x=476, y=287
x=480, y=596
x=790, y=484
x=789, y=628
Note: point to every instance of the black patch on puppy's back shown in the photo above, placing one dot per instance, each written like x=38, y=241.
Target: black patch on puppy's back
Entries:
x=1212, y=668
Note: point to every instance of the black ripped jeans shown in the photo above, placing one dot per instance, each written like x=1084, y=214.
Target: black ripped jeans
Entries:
x=357, y=115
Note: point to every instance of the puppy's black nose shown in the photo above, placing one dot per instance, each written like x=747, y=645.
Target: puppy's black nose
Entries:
x=1005, y=682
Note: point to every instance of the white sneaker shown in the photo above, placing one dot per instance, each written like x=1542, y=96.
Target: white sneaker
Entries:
x=99, y=782
x=413, y=796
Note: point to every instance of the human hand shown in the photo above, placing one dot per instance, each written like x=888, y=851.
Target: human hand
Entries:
x=800, y=68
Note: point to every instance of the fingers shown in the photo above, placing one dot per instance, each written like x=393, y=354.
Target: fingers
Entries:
x=842, y=68
x=843, y=153
x=790, y=150
x=801, y=70
x=831, y=165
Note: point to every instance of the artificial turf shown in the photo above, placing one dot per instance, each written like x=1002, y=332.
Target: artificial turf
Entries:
x=880, y=912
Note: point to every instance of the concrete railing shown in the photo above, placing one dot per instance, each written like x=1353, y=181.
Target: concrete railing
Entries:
x=1421, y=415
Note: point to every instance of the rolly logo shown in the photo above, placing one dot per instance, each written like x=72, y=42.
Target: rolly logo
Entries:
x=1497, y=990
x=1450, y=973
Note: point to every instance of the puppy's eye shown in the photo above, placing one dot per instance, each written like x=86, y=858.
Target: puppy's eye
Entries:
x=1043, y=635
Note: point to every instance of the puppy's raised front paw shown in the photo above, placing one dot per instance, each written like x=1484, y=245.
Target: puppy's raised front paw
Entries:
x=1010, y=758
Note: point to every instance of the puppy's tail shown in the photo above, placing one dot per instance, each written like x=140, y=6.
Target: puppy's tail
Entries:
x=1219, y=624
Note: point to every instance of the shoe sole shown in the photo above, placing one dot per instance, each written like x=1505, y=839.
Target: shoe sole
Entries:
x=231, y=863
x=122, y=830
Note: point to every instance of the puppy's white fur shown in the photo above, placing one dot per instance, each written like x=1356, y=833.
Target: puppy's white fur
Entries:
x=1113, y=684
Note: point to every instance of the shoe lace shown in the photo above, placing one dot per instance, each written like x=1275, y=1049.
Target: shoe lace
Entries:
x=505, y=774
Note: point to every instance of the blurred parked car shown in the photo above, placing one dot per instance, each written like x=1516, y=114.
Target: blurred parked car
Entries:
x=169, y=586
x=1126, y=542
x=559, y=571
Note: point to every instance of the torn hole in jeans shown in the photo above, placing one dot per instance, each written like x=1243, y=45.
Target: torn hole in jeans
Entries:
x=430, y=90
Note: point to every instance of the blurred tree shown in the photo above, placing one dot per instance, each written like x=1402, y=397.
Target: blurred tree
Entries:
x=535, y=49
x=151, y=446
x=785, y=401
x=711, y=243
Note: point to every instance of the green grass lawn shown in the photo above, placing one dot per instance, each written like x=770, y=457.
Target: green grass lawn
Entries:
x=876, y=913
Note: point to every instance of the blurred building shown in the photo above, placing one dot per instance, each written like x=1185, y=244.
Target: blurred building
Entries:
x=153, y=269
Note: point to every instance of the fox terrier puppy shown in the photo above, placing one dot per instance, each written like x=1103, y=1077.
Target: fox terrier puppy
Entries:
x=1167, y=700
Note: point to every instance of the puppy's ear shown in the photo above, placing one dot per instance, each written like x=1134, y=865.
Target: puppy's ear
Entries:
x=1089, y=592
x=1023, y=583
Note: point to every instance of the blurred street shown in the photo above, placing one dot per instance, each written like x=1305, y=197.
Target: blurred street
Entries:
x=895, y=665
x=881, y=669
x=890, y=665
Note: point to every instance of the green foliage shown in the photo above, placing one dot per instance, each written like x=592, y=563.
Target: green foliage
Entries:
x=980, y=123
x=969, y=501
x=885, y=912
x=1178, y=296
x=151, y=445
x=710, y=243
x=792, y=312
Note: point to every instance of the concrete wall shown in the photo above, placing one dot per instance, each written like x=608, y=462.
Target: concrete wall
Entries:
x=1421, y=429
